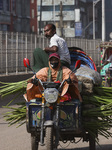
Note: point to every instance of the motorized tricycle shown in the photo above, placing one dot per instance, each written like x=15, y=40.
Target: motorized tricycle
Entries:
x=51, y=117
x=107, y=79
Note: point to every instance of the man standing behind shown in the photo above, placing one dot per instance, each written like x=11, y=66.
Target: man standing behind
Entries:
x=57, y=45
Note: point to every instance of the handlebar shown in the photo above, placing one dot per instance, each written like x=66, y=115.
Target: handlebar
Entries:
x=57, y=85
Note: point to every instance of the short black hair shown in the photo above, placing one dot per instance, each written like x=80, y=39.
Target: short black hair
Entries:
x=53, y=26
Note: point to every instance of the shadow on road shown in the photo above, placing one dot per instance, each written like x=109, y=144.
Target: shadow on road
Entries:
x=101, y=147
x=4, y=101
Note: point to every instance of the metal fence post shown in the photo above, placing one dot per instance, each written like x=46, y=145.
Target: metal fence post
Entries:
x=6, y=56
x=1, y=47
x=85, y=45
x=31, y=41
x=43, y=44
x=17, y=53
x=26, y=47
x=35, y=41
x=22, y=45
x=12, y=49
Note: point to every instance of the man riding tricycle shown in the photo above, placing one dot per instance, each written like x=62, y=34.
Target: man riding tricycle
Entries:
x=54, y=106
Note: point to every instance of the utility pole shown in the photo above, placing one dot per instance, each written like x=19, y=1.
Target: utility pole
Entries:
x=103, y=20
x=54, y=10
x=61, y=18
x=40, y=17
x=94, y=3
x=93, y=20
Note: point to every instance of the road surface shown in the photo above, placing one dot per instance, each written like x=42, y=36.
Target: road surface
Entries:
x=12, y=138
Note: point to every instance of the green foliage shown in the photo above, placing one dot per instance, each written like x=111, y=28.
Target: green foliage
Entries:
x=17, y=115
x=97, y=112
x=13, y=88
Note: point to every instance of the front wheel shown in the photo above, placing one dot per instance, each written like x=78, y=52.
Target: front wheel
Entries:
x=92, y=143
x=34, y=142
x=49, y=138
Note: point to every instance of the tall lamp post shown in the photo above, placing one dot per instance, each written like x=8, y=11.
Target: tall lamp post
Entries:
x=94, y=3
x=103, y=20
x=54, y=10
x=40, y=21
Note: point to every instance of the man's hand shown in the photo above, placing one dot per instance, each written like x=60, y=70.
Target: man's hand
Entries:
x=33, y=81
x=52, y=49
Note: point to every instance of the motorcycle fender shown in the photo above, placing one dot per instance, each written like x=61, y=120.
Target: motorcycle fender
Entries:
x=48, y=123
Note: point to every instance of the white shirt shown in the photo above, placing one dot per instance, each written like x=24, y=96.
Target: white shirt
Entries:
x=62, y=47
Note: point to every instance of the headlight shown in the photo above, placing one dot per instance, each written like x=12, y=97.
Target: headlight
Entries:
x=51, y=95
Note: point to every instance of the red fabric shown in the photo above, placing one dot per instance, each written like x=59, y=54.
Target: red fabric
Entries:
x=67, y=97
x=109, y=52
x=58, y=82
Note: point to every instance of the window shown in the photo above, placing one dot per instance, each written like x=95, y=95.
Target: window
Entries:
x=83, y=1
x=1, y=4
x=4, y=27
x=57, y=8
x=32, y=28
x=13, y=5
x=32, y=1
x=68, y=24
x=32, y=13
x=7, y=5
x=4, y=5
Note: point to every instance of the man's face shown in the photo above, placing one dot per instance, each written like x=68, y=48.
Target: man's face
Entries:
x=54, y=62
x=48, y=31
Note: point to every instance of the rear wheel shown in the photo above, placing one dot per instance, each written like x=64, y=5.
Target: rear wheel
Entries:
x=34, y=142
x=49, y=138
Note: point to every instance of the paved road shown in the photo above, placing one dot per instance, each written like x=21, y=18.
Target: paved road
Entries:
x=12, y=138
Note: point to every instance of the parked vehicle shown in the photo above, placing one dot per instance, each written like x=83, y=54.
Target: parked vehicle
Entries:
x=106, y=71
x=49, y=117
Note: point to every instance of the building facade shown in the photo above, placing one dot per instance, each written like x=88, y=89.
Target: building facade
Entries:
x=18, y=15
x=33, y=16
x=5, y=20
x=98, y=19
x=73, y=18
x=108, y=20
x=65, y=14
